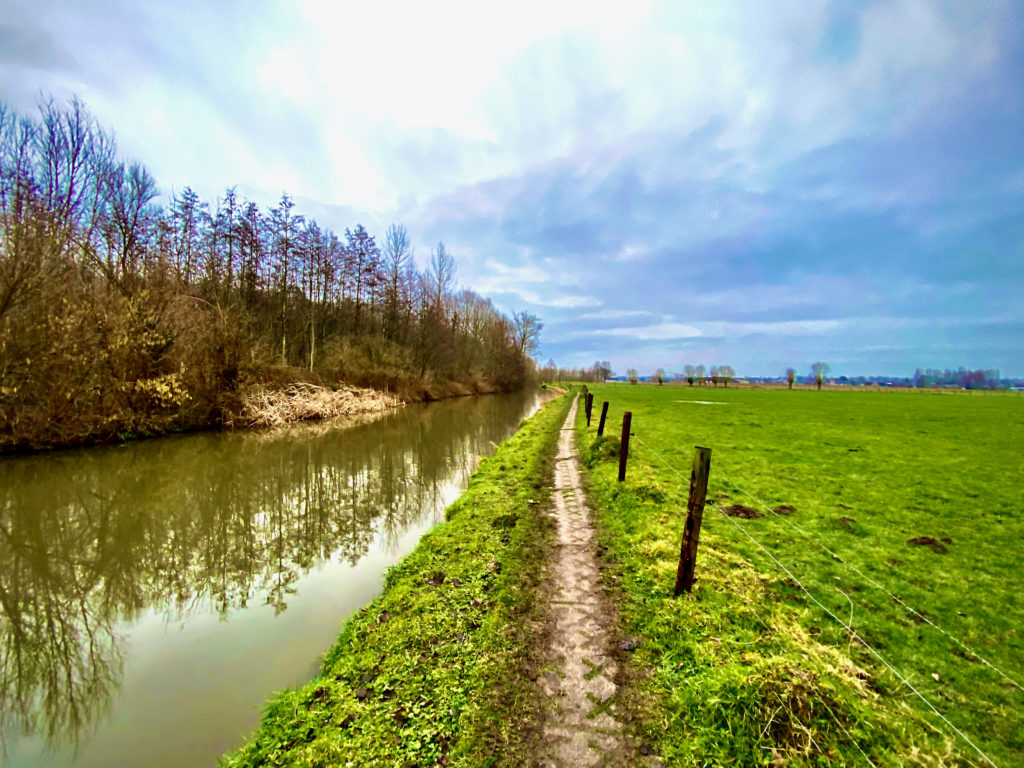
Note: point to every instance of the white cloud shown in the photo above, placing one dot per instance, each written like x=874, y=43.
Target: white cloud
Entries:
x=780, y=328
x=658, y=332
x=522, y=274
x=571, y=302
x=562, y=302
x=614, y=314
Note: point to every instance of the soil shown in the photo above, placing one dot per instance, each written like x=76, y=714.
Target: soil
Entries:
x=784, y=509
x=583, y=718
x=739, y=510
x=928, y=541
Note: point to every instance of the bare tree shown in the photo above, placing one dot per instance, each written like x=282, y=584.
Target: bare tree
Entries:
x=790, y=376
x=364, y=261
x=689, y=372
x=398, y=257
x=659, y=376
x=285, y=226
x=632, y=375
x=442, y=275
x=819, y=371
x=250, y=244
x=526, y=330
x=132, y=191
x=726, y=374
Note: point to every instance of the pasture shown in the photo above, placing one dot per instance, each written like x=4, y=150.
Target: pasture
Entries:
x=895, y=513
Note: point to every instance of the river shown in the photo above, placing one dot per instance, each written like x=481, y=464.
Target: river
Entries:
x=153, y=595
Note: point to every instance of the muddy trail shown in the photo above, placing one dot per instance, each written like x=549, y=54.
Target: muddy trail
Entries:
x=582, y=725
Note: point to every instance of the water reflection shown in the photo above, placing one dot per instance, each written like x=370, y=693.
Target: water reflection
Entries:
x=89, y=540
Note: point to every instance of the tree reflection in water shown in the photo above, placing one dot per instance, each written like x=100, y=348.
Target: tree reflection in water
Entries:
x=205, y=523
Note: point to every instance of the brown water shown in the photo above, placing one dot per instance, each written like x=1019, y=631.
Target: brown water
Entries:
x=153, y=595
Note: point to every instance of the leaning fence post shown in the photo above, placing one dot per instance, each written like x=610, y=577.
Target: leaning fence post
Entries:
x=589, y=406
x=694, y=514
x=604, y=415
x=627, y=419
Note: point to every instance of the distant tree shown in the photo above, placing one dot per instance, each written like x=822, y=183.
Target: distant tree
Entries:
x=314, y=255
x=726, y=374
x=819, y=371
x=442, y=274
x=550, y=370
x=526, y=331
x=285, y=226
x=698, y=374
x=250, y=246
x=632, y=375
x=689, y=372
x=398, y=256
x=962, y=378
x=713, y=373
x=603, y=370
x=790, y=376
x=362, y=257
x=659, y=376
x=132, y=189
x=187, y=214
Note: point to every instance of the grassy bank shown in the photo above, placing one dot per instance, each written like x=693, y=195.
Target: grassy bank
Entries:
x=431, y=673
x=888, y=495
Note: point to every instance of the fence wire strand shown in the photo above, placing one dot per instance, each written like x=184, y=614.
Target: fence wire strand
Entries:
x=849, y=629
x=768, y=625
x=850, y=566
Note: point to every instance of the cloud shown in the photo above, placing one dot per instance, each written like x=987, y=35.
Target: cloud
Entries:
x=787, y=180
x=614, y=314
x=658, y=332
x=565, y=302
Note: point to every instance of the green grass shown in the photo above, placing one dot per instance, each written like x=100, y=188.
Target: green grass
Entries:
x=748, y=670
x=431, y=673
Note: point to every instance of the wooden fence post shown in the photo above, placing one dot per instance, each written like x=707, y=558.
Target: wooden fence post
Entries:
x=589, y=406
x=627, y=421
x=694, y=514
x=604, y=415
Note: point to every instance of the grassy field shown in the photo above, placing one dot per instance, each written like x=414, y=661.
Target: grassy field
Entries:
x=431, y=673
x=749, y=670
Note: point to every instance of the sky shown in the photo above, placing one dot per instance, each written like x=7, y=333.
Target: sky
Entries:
x=756, y=184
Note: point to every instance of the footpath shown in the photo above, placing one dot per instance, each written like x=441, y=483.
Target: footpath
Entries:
x=580, y=727
x=490, y=644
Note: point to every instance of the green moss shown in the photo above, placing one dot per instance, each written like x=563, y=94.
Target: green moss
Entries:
x=431, y=671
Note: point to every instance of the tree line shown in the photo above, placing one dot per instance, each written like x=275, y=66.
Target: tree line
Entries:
x=963, y=378
x=119, y=315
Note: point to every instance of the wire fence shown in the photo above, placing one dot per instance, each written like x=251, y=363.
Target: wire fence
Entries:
x=847, y=625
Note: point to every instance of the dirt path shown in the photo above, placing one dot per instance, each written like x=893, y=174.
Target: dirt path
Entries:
x=581, y=726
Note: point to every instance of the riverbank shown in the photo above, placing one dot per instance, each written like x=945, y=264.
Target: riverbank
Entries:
x=440, y=669
x=285, y=397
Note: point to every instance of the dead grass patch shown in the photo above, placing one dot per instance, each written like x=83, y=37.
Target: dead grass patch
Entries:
x=263, y=407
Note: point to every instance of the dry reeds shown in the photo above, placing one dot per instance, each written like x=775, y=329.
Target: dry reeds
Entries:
x=264, y=407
